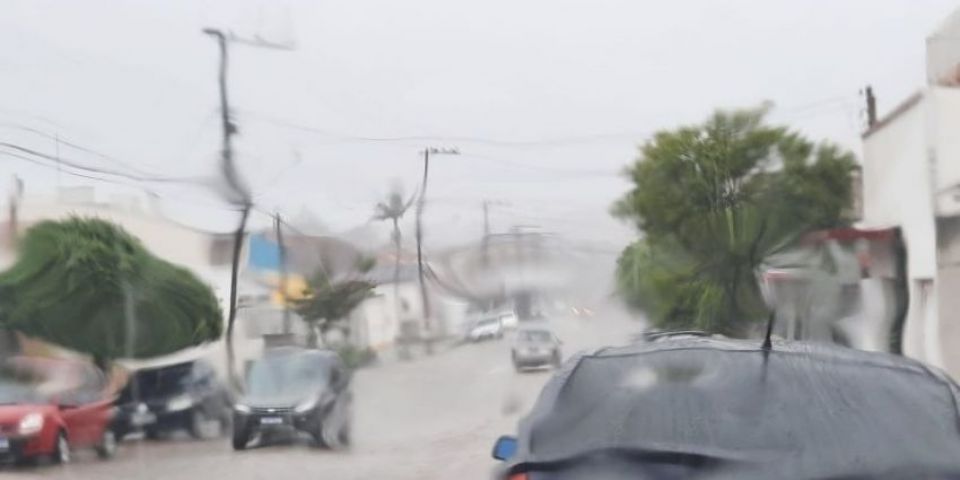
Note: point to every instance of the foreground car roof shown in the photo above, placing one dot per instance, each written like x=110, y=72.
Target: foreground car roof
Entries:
x=813, y=410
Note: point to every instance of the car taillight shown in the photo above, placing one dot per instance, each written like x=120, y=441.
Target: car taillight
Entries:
x=519, y=476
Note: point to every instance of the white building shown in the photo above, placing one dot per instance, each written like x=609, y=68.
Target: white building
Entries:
x=206, y=254
x=911, y=181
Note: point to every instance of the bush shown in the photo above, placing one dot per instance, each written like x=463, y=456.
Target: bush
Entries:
x=354, y=357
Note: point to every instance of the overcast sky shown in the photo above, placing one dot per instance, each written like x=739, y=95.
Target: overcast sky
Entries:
x=545, y=99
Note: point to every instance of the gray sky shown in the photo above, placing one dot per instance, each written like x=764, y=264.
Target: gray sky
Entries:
x=546, y=99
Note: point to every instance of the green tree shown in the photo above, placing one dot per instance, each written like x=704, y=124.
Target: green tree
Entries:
x=713, y=200
x=88, y=285
x=328, y=302
x=393, y=209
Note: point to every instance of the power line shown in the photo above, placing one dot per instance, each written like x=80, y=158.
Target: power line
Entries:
x=546, y=142
x=91, y=169
x=110, y=180
x=63, y=141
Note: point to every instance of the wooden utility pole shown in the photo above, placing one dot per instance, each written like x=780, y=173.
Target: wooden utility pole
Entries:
x=421, y=203
x=241, y=193
x=282, y=249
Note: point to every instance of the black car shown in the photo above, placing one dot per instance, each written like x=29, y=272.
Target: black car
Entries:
x=185, y=395
x=691, y=406
x=296, y=389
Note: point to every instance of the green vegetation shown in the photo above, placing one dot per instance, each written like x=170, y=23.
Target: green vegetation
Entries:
x=713, y=200
x=85, y=284
x=328, y=302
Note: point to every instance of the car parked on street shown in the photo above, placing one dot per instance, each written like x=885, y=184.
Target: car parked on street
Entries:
x=183, y=396
x=535, y=346
x=50, y=407
x=509, y=320
x=296, y=389
x=487, y=328
x=696, y=406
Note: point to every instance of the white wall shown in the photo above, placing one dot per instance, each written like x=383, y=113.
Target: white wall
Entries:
x=376, y=322
x=172, y=242
x=898, y=191
x=945, y=136
x=896, y=186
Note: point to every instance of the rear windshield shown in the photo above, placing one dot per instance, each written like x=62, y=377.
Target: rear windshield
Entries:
x=703, y=399
x=538, y=336
x=289, y=375
x=156, y=382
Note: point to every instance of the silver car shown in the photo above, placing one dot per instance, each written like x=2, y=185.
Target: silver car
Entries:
x=536, y=347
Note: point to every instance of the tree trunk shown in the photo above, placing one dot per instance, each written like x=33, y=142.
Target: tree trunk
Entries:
x=404, y=352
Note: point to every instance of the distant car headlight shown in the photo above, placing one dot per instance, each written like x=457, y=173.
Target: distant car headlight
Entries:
x=30, y=424
x=180, y=402
x=307, y=405
x=241, y=408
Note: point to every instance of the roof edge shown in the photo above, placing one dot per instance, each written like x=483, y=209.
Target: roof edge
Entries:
x=900, y=109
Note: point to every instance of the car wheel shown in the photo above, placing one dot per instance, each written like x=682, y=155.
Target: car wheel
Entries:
x=152, y=433
x=241, y=437
x=108, y=444
x=61, y=452
x=199, y=426
x=557, y=360
x=346, y=435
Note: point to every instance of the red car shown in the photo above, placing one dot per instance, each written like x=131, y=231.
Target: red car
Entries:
x=50, y=407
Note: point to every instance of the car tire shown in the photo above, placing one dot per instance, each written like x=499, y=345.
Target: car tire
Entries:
x=197, y=424
x=108, y=444
x=557, y=360
x=241, y=437
x=151, y=433
x=61, y=449
x=346, y=434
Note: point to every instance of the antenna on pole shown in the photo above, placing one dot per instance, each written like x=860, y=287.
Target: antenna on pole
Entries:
x=766, y=339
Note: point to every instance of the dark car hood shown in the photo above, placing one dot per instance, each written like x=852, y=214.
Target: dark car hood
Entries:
x=281, y=400
x=814, y=412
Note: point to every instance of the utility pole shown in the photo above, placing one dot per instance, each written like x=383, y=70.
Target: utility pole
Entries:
x=241, y=193
x=871, y=106
x=486, y=228
x=421, y=203
x=282, y=248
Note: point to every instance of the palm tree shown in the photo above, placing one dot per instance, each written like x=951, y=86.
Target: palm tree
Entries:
x=393, y=209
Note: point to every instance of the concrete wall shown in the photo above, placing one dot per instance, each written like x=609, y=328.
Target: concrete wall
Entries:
x=943, y=131
x=376, y=322
x=898, y=179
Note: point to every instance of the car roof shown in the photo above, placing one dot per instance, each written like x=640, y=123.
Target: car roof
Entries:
x=709, y=394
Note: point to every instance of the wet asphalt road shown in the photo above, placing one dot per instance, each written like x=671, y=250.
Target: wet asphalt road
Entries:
x=431, y=417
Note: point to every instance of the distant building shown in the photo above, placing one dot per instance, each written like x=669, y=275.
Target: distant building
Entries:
x=911, y=183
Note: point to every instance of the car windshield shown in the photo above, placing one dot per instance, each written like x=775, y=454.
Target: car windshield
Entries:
x=535, y=336
x=158, y=382
x=288, y=376
x=14, y=392
x=458, y=201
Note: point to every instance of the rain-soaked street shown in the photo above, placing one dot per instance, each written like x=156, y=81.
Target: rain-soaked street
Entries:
x=433, y=417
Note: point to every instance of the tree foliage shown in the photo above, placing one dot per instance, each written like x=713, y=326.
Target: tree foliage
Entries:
x=83, y=283
x=712, y=201
x=327, y=302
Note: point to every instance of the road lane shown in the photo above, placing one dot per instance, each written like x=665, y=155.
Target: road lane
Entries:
x=433, y=417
